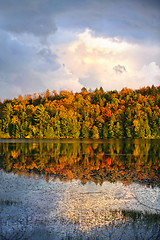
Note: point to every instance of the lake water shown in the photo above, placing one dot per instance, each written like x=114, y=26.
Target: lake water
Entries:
x=63, y=189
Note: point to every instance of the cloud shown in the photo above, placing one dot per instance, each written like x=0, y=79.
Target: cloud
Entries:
x=62, y=79
x=97, y=60
x=119, y=69
x=85, y=60
x=134, y=20
x=14, y=55
x=46, y=60
x=10, y=90
x=150, y=73
x=27, y=16
x=44, y=44
x=22, y=65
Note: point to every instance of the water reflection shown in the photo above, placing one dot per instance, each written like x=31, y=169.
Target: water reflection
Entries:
x=71, y=209
x=113, y=160
x=92, y=206
x=80, y=190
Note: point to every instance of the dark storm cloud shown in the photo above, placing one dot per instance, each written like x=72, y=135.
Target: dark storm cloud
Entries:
x=138, y=19
x=27, y=16
x=133, y=20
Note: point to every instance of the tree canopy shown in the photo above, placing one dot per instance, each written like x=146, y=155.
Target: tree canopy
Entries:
x=88, y=114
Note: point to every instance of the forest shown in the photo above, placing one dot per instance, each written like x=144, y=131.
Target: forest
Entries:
x=88, y=114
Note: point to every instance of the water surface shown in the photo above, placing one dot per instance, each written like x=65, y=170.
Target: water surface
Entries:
x=80, y=189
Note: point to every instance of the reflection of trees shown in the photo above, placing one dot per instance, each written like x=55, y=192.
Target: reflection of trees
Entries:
x=143, y=225
x=114, y=160
x=137, y=226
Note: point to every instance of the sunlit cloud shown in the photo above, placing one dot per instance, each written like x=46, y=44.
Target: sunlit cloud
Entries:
x=62, y=79
x=95, y=61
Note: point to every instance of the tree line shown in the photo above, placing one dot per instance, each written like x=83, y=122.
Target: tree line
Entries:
x=87, y=114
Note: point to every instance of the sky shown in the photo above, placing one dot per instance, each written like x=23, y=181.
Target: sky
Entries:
x=70, y=44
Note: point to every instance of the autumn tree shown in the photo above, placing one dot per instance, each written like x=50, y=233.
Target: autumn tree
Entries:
x=95, y=133
x=126, y=113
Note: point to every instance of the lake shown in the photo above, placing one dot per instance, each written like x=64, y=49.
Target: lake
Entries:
x=84, y=189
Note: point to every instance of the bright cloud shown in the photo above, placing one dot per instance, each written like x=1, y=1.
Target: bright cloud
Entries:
x=62, y=79
x=96, y=61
